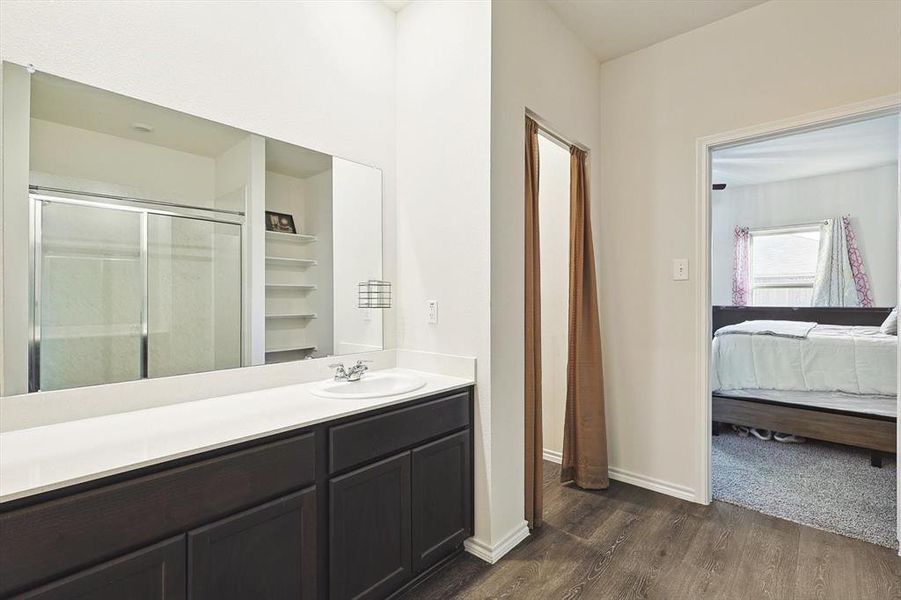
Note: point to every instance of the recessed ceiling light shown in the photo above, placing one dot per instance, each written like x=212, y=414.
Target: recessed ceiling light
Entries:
x=142, y=127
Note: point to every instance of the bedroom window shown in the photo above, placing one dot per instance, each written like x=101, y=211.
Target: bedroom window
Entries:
x=783, y=265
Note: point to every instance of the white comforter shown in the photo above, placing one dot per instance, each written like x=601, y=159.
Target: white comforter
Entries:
x=858, y=360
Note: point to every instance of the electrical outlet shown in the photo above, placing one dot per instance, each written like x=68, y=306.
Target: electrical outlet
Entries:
x=680, y=269
x=367, y=314
x=433, y=312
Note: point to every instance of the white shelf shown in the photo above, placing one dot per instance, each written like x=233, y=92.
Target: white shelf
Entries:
x=293, y=316
x=300, y=262
x=291, y=286
x=301, y=238
x=292, y=349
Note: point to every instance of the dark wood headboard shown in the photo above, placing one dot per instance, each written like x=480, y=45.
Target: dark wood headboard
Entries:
x=730, y=315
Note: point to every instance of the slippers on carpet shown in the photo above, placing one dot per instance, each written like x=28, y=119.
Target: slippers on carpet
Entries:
x=787, y=438
x=762, y=434
x=741, y=430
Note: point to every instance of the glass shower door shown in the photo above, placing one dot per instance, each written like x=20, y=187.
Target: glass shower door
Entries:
x=194, y=285
x=123, y=292
x=90, y=285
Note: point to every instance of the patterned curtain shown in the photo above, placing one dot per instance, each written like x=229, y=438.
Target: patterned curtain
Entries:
x=741, y=267
x=858, y=272
x=841, y=279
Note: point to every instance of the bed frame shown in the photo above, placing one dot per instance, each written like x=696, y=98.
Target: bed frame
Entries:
x=873, y=432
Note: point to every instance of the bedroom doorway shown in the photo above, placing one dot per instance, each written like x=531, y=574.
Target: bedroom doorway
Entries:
x=800, y=284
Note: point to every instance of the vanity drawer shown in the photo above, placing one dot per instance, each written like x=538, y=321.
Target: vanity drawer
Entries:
x=367, y=439
x=57, y=537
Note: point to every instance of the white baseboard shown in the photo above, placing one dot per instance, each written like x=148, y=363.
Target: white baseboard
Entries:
x=553, y=456
x=492, y=554
x=655, y=485
x=642, y=481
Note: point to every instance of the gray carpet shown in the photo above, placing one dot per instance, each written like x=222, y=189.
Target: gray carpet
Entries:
x=827, y=486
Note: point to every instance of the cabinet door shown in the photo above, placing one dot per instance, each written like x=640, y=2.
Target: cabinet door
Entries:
x=442, y=499
x=369, y=537
x=153, y=573
x=267, y=552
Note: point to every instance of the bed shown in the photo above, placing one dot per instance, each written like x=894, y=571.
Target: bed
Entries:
x=822, y=373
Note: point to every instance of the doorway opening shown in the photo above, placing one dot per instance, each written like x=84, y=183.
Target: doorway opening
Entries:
x=803, y=294
x=559, y=264
x=553, y=217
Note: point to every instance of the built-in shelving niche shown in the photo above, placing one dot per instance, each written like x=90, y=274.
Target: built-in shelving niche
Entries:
x=299, y=265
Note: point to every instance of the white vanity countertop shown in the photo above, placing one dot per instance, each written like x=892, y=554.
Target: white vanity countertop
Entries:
x=53, y=456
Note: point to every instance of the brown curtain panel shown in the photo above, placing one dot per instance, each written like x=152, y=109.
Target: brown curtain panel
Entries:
x=584, y=428
x=534, y=443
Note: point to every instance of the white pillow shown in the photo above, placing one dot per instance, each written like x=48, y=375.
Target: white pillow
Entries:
x=890, y=325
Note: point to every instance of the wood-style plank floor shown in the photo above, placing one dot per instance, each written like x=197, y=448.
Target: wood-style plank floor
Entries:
x=627, y=542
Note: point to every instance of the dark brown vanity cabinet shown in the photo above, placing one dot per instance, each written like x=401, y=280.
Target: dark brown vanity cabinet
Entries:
x=392, y=519
x=369, y=530
x=153, y=573
x=359, y=507
x=220, y=507
x=442, y=498
x=268, y=552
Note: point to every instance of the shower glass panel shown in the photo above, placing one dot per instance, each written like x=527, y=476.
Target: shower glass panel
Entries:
x=123, y=291
x=194, y=284
x=91, y=292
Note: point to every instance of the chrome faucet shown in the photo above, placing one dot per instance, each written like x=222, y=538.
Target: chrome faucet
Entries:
x=354, y=373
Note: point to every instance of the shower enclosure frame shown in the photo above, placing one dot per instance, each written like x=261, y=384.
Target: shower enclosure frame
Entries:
x=38, y=196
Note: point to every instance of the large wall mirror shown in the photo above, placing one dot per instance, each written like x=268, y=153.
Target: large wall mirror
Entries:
x=143, y=242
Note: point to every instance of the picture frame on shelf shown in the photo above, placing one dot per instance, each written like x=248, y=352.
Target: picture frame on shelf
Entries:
x=280, y=222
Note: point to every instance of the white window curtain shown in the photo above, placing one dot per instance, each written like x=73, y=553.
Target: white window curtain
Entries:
x=841, y=279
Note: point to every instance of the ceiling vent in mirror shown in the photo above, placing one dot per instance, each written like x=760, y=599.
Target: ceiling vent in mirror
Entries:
x=374, y=293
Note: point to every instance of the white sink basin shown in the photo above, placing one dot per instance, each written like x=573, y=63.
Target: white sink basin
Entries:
x=372, y=385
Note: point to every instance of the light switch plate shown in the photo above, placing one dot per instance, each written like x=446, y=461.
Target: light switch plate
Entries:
x=680, y=269
x=433, y=312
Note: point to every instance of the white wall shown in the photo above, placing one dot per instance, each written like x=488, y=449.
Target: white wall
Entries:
x=553, y=209
x=443, y=103
x=315, y=74
x=776, y=60
x=460, y=225
x=536, y=63
x=870, y=196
